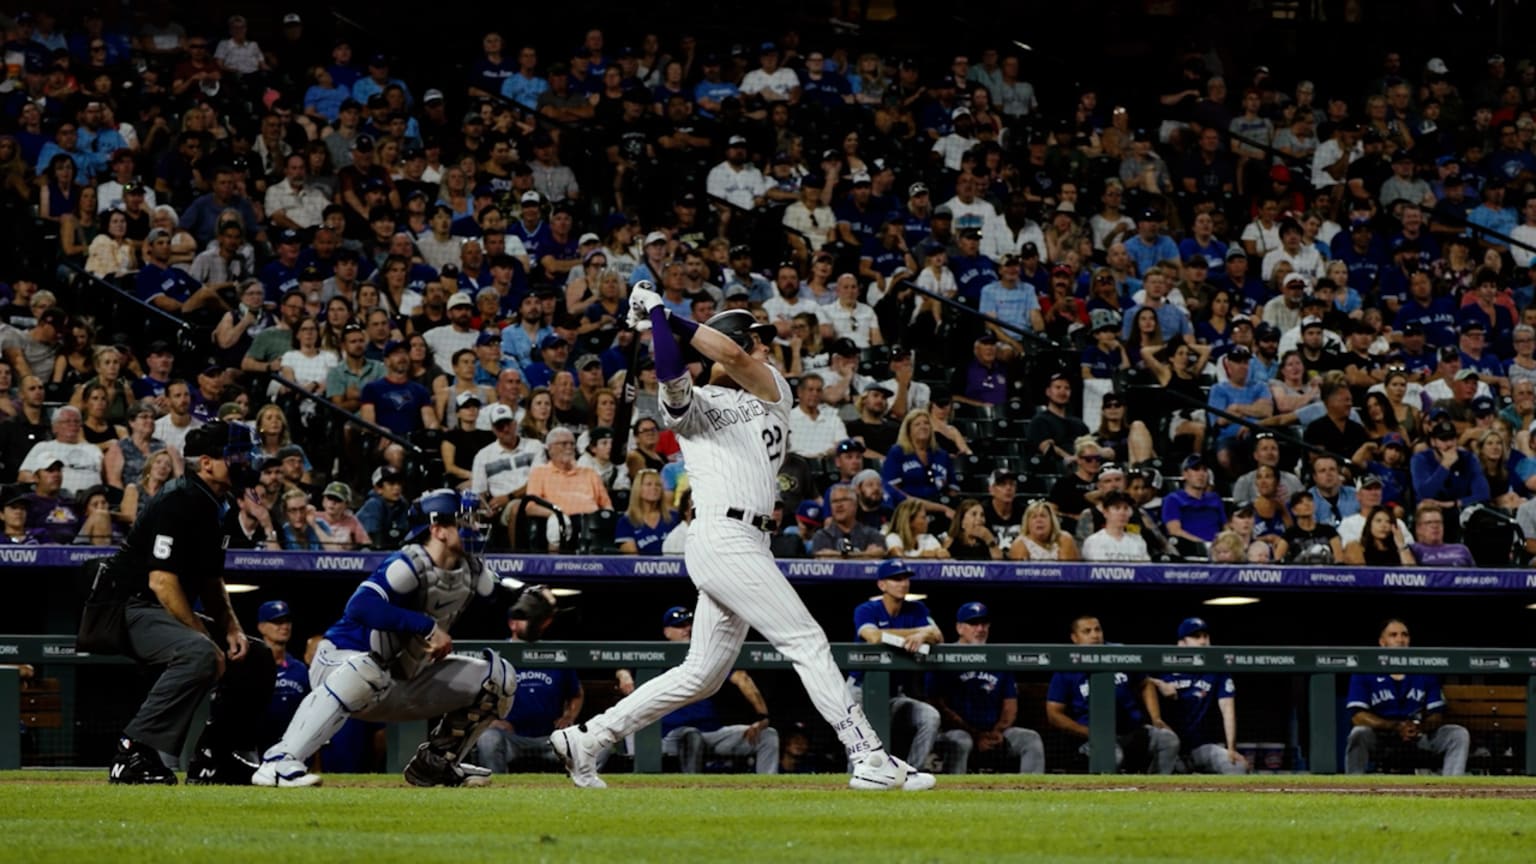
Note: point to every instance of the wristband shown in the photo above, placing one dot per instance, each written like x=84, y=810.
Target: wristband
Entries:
x=762, y=718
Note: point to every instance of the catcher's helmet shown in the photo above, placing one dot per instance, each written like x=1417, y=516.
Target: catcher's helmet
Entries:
x=739, y=325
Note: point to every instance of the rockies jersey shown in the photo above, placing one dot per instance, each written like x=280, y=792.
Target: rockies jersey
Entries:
x=1194, y=714
x=733, y=444
x=392, y=612
x=1413, y=696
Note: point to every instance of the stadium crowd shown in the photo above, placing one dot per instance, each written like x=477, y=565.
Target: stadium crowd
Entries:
x=1248, y=321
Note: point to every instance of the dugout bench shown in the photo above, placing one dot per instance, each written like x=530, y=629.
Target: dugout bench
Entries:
x=1505, y=705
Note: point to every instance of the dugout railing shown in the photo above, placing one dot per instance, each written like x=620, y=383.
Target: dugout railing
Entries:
x=1320, y=665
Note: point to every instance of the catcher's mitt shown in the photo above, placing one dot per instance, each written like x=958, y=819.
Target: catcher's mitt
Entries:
x=536, y=608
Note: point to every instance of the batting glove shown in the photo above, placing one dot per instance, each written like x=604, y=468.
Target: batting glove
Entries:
x=642, y=299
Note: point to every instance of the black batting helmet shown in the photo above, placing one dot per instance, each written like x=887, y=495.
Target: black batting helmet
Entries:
x=739, y=325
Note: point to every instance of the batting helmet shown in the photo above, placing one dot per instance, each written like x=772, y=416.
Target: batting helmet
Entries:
x=739, y=325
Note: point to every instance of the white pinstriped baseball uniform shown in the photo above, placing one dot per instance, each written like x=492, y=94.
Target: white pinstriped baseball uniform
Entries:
x=733, y=444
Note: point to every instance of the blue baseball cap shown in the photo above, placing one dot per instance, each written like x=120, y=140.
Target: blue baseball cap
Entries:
x=272, y=610
x=809, y=512
x=677, y=616
x=1191, y=626
x=553, y=341
x=971, y=612
x=394, y=345
x=895, y=568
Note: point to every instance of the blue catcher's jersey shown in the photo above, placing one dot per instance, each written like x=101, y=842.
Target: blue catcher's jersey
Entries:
x=392, y=611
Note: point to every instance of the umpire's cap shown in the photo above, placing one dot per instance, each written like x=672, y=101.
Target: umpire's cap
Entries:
x=210, y=439
x=739, y=325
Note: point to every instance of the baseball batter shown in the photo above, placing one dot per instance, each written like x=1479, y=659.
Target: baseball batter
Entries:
x=733, y=435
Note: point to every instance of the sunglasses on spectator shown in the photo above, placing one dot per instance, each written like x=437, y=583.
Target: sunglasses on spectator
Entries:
x=1089, y=457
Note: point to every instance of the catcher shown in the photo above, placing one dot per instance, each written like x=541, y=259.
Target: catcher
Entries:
x=389, y=657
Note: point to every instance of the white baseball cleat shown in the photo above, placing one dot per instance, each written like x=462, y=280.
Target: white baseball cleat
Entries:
x=284, y=773
x=916, y=781
x=876, y=771
x=579, y=753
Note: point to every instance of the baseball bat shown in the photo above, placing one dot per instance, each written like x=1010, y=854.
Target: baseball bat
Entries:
x=627, y=396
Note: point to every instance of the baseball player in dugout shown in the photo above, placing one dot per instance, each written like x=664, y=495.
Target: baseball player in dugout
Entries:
x=390, y=658
x=979, y=707
x=891, y=619
x=1182, y=702
x=732, y=432
x=172, y=560
x=694, y=731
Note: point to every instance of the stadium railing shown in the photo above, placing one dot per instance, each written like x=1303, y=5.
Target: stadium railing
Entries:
x=1321, y=666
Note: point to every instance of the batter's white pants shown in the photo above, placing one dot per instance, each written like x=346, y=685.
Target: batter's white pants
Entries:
x=690, y=746
x=740, y=588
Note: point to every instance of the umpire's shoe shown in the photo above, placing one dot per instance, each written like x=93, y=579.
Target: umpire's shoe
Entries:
x=431, y=768
x=138, y=764
x=219, y=768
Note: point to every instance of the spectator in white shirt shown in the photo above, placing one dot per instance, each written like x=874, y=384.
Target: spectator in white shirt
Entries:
x=771, y=82
x=291, y=204
x=787, y=300
x=735, y=180
x=951, y=148
x=849, y=317
x=1113, y=542
x=1330, y=162
x=811, y=223
x=445, y=340
x=238, y=54
x=814, y=431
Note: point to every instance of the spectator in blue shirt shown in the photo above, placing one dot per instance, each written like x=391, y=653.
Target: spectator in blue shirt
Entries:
x=1012, y=301
x=377, y=80
x=709, y=93
x=1237, y=395
x=525, y=85
x=1492, y=214
x=1447, y=474
x=324, y=97
x=1171, y=320
x=648, y=521
x=1150, y=246
x=395, y=401
x=972, y=270
x=386, y=513
x=1194, y=512
x=170, y=288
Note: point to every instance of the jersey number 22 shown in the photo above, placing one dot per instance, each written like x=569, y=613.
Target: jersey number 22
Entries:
x=773, y=439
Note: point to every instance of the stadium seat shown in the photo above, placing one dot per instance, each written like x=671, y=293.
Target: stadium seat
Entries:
x=595, y=533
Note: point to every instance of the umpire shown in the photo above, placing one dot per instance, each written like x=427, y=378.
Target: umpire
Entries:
x=173, y=558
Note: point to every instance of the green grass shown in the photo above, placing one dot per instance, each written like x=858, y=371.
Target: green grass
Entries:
x=75, y=817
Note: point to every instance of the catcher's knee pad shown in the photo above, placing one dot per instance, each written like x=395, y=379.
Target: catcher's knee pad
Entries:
x=359, y=684
x=454, y=733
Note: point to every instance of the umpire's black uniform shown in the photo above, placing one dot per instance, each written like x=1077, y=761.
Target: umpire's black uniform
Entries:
x=180, y=532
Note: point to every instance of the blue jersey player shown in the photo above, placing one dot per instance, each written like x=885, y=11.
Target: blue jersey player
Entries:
x=892, y=619
x=694, y=731
x=390, y=659
x=1402, y=712
x=1144, y=746
x=979, y=706
x=1200, y=709
x=546, y=700
x=275, y=622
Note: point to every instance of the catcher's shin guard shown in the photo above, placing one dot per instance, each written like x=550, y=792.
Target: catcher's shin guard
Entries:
x=454, y=733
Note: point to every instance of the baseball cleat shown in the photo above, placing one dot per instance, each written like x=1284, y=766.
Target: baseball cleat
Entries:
x=915, y=781
x=877, y=772
x=139, y=765
x=219, y=768
x=576, y=750
x=284, y=773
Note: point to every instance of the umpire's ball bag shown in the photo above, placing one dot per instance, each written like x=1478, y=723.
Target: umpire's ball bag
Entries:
x=103, y=620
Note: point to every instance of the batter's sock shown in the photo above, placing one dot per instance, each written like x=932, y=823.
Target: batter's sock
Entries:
x=856, y=734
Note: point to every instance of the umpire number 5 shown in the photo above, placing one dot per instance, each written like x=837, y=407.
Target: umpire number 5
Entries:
x=773, y=439
x=162, y=548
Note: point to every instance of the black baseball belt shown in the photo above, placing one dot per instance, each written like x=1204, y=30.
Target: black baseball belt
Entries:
x=761, y=523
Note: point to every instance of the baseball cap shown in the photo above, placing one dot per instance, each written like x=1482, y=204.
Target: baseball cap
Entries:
x=845, y=347
x=394, y=345
x=860, y=178
x=1413, y=328
x=501, y=414
x=1190, y=626
x=587, y=361
x=531, y=197
x=677, y=616
x=1000, y=476
x=273, y=610
x=1111, y=469
x=917, y=189
x=894, y=568
x=1436, y=66
x=553, y=341
x=363, y=144
x=1369, y=480
x=588, y=237
x=1309, y=323
x=1443, y=430
x=49, y=458
x=943, y=211
x=1235, y=251
x=809, y=513
x=1482, y=406
x=1239, y=354
x=1472, y=324
x=736, y=141
x=1393, y=439
x=338, y=490
x=850, y=445
x=972, y=612
x=386, y=474
x=468, y=397
x=656, y=237
x=459, y=298
x=1193, y=460
x=1449, y=354
x=432, y=96
x=1465, y=374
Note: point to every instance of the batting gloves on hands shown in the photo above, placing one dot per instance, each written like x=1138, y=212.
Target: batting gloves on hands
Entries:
x=642, y=299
